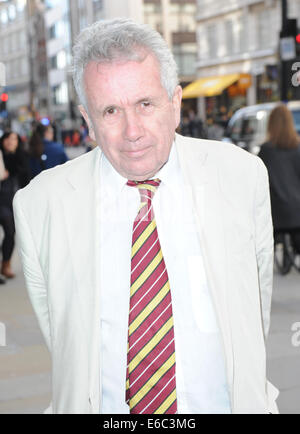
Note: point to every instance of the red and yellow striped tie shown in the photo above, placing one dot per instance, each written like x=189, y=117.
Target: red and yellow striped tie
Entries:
x=150, y=382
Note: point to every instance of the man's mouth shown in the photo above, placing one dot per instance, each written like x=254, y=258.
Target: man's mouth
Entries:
x=137, y=153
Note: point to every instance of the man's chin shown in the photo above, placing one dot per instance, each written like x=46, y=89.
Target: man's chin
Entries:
x=139, y=173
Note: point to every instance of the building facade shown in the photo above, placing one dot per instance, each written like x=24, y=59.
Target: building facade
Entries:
x=36, y=38
x=175, y=20
x=242, y=37
x=14, y=55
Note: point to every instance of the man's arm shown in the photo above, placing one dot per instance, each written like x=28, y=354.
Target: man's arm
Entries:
x=32, y=270
x=264, y=243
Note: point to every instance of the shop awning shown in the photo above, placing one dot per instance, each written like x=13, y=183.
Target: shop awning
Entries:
x=212, y=86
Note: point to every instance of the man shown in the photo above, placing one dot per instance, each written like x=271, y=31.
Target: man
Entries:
x=148, y=260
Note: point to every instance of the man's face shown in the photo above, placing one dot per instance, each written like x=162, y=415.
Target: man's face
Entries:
x=130, y=115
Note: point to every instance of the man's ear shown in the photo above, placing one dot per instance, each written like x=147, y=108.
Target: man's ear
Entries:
x=176, y=100
x=88, y=121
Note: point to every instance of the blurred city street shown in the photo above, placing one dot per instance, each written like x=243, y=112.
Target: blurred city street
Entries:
x=238, y=63
x=25, y=363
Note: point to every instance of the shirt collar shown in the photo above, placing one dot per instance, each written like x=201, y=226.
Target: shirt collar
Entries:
x=111, y=177
x=168, y=174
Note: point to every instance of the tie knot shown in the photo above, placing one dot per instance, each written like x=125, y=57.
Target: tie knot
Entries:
x=147, y=188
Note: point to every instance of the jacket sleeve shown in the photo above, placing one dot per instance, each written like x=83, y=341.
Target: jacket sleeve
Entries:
x=264, y=243
x=34, y=278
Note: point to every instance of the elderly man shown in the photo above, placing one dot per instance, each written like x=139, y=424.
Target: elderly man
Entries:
x=148, y=260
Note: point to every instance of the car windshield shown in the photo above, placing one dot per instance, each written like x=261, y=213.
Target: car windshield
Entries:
x=296, y=116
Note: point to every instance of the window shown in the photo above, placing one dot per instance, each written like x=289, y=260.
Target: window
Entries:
x=53, y=62
x=24, y=66
x=60, y=94
x=212, y=40
x=4, y=17
x=265, y=30
x=52, y=3
x=98, y=4
x=229, y=41
x=83, y=21
x=243, y=34
x=14, y=42
x=21, y=5
x=12, y=12
x=22, y=39
x=7, y=70
x=58, y=30
x=61, y=59
x=5, y=44
x=52, y=32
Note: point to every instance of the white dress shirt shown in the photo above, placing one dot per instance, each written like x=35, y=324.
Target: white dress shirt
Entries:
x=200, y=369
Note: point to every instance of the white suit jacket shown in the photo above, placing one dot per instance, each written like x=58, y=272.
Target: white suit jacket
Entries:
x=57, y=226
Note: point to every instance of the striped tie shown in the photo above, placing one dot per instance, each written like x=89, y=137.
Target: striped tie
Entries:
x=150, y=382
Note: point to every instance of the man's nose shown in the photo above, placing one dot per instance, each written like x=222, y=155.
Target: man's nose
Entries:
x=133, y=126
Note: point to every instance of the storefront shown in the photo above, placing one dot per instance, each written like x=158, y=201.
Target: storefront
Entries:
x=222, y=94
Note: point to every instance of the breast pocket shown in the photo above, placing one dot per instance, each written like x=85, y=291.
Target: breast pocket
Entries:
x=201, y=300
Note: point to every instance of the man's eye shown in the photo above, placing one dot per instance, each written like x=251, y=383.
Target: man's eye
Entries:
x=111, y=111
x=146, y=104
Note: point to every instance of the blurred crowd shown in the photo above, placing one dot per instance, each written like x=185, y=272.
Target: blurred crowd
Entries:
x=213, y=128
x=21, y=159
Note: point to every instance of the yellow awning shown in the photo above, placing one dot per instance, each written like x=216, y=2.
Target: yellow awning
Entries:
x=209, y=86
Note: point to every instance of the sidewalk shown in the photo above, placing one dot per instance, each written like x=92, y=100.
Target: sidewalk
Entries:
x=25, y=362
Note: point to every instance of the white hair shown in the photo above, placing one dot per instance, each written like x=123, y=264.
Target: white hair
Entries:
x=121, y=39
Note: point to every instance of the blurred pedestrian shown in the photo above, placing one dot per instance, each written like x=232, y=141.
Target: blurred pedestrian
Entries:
x=17, y=175
x=191, y=125
x=44, y=151
x=185, y=125
x=76, y=138
x=281, y=155
x=196, y=125
x=214, y=130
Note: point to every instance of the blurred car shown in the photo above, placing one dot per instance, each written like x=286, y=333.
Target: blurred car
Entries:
x=248, y=126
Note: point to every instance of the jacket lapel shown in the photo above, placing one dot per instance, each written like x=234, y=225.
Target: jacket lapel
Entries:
x=202, y=178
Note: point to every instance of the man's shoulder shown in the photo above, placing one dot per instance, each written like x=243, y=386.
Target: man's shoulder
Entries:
x=54, y=179
x=223, y=154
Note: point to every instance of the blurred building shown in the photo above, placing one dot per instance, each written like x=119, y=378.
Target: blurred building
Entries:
x=36, y=38
x=14, y=54
x=238, y=51
x=175, y=20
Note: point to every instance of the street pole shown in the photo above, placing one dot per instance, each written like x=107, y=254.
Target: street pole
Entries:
x=284, y=63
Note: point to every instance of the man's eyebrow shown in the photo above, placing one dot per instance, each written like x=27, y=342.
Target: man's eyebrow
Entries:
x=147, y=98
x=103, y=109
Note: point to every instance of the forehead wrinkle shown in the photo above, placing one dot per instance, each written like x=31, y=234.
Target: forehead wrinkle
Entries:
x=115, y=98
